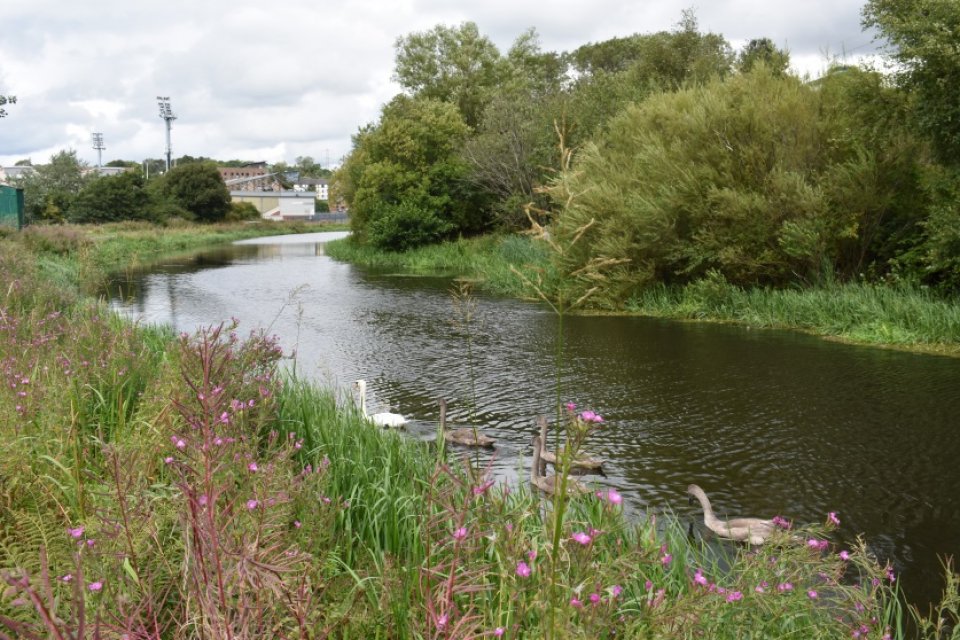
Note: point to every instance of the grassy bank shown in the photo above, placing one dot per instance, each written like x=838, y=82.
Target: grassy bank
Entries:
x=79, y=258
x=901, y=317
x=163, y=486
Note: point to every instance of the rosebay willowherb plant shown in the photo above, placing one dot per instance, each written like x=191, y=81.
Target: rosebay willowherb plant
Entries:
x=570, y=288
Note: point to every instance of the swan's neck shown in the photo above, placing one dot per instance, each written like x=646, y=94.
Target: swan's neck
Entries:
x=535, y=469
x=362, y=390
x=708, y=516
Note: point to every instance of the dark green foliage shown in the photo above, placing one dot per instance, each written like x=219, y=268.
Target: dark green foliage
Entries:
x=935, y=260
x=763, y=51
x=402, y=226
x=197, y=188
x=242, y=211
x=925, y=42
x=410, y=158
x=111, y=199
x=321, y=206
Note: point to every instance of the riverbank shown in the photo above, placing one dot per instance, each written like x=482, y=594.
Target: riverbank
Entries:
x=185, y=486
x=900, y=317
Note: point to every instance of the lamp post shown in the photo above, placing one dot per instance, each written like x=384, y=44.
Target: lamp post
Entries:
x=166, y=112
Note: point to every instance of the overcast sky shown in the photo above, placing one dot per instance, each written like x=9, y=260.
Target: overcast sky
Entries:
x=276, y=80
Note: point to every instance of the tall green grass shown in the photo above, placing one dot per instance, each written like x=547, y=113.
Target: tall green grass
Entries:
x=901, y=316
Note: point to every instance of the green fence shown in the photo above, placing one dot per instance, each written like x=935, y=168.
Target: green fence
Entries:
x=11, y=207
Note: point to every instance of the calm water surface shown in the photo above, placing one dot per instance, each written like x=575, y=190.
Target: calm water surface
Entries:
x=767, y=422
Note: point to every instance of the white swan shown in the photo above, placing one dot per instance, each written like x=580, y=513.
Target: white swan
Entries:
x=752, y=530
x=384, y=419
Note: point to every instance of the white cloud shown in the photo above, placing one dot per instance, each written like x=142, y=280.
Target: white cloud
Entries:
x=271, y=81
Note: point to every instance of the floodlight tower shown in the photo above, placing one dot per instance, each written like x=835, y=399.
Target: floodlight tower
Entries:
x=98, y=145
x=166, y=112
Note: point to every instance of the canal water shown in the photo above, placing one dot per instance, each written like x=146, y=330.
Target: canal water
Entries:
x=767, y=422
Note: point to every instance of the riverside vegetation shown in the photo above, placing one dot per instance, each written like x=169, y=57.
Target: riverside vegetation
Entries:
x=165, y=486
x=723, y=185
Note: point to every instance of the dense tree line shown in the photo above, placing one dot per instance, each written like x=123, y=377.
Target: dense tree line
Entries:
x=691, y=160
x=67, y=190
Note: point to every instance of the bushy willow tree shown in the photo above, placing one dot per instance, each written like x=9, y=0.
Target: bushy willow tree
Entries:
x=111, y=199
x=745, y=178
x=405, y=181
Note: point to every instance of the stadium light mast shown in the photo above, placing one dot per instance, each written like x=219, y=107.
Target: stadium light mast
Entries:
x=166, y=112
x=98, y=145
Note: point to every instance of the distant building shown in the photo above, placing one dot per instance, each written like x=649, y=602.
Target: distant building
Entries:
x=319, y=186
x=251, y=177
x=10, y=175
x=108, y=171
x=278, y=205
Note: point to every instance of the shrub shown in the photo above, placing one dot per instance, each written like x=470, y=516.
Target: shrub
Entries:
x=405, y=226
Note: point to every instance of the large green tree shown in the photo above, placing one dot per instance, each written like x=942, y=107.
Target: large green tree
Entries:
x=197, y=188
x=924, y=39
x=405, y=181
x=49, y=191
x=111, y=199
x=451, y=64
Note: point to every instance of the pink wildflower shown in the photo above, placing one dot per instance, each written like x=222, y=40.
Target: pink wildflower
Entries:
x=95, y=586
x=595, y=598
x=75, y=533
x=733, y=596
x=252, y=467
x=481, y=489
x=532, y=554
x=460, y=533
x=581, y=537
x=812, y=594
x=442, y=621
x=785, y=586
x=666, y=559
x=833, y=519
x=67, y=578
x=252, y=504
x=297, y=524
x=168, y=460
x=576, y=604
x=571, y=406
x=499, y=631
x=699, y=579
x=180, y=444
x=616, y=590
x=844, y=555
x=523, y=569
